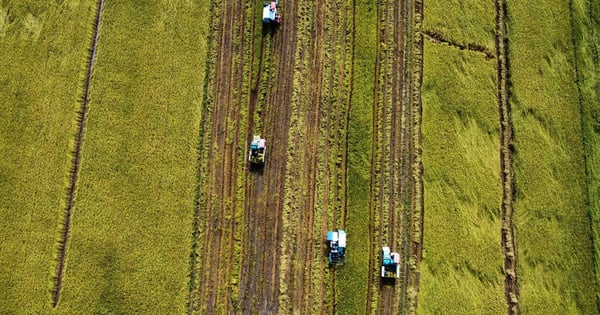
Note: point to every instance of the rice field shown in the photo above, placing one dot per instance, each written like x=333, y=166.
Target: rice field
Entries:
x=169, y=218
x=42, y=50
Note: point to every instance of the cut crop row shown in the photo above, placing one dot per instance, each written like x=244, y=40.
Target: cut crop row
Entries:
x=221, y=167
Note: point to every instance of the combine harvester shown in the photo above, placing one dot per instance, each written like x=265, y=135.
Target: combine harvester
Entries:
x=258, y=149
x=390, y=263
x=270, y=14
x=337, y=247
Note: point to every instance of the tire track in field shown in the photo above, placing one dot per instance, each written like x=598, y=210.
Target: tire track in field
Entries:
x=260, y=283
x=303, y=168
x=393, y=115
x=76, y=158
x=218, y=191
x=253, y=183
x=334, y=148
x=511, y=289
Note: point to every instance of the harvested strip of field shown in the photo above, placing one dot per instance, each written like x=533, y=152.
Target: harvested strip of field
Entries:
x=585, y=24
x=314, y=197
x=222, y=159
x=130, y=239
x=352, y=281
x=551, y=216
x=462, y=260
x=392, y=147
x=76, y=157
x=511, y=289
x=44, y=47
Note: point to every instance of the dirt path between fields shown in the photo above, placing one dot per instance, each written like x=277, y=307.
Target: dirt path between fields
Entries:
x=506, y=163
x=76, y=156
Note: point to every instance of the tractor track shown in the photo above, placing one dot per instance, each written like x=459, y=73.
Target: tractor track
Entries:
x=393, y=146
x=334, y=151
x=76, y=156
x=511, y=289
x=262, y=240
x=217, y=206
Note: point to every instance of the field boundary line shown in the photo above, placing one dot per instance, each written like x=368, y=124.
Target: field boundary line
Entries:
x=589, y=46
x=437, y=37
x=511, y=289
x=76, y=157
x=417, y=208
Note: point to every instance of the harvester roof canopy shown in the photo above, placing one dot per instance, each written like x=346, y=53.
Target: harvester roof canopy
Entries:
x=269, y=13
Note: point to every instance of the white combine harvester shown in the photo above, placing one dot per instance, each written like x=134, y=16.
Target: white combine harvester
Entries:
x=390, y=263
x=270, y=14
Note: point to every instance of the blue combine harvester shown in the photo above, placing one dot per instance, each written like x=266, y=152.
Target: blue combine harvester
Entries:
x=258, y=149
x=337, y=247
x=270, y=14
x=390, y=263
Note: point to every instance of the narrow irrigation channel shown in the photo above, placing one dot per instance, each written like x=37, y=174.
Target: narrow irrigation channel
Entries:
x=506, y=166
x=76, y=158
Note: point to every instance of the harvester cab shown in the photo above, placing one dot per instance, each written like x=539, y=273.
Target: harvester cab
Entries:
x=270, y=14
x=337, y=247
x=258, y=149
x=390, y=263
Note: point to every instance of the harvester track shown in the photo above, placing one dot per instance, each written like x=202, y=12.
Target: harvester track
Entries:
x=220, y=165
x=336, y=101
x=511, y=289
x=260, y=280
x=76, y=156
x=393, y=151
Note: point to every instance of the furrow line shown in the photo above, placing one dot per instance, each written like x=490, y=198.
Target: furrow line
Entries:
x=511, y=289
x=76, y=158
x=439, y=38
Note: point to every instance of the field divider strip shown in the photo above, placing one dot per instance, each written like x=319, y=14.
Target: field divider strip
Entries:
x=76, y=158
x=511, y=289
x=417, y=209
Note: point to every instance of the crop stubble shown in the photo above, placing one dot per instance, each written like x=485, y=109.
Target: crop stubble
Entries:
x=395, y=173
x=219, y=168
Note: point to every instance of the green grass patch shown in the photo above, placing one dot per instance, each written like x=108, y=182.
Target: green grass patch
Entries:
x=352, y=278
x=462, y=22
x=552, y=227
x=43, y=48
x=461, y=270
x=132, y=221
x=585, y=23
